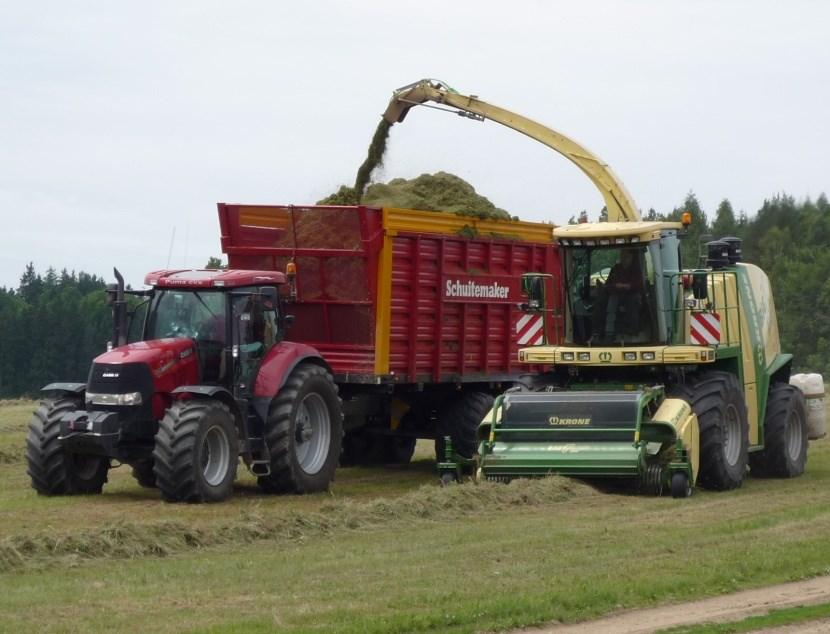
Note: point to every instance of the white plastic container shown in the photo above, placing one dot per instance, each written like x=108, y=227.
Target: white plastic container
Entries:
x=812, y=385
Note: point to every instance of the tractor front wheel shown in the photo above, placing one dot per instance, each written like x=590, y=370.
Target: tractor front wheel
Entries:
x=53, y=470
x=304, y=433
x=144, y=474
x=785, y=435
x=196, y=452
x=718, y=401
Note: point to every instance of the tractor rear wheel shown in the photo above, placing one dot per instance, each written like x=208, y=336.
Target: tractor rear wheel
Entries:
x=459, y=419
x=144, y=474
x=196, y=452
x=718, y=401
x=785, y=435
x=53, y=470
x=304, y=432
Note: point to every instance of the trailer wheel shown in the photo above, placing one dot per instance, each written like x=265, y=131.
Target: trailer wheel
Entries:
x=362, y=448
x=52, y=469
x=718, y=401
x=144, y=474
x=459, y=419
x=785, y=435
x=680, y=486
x=304, y=432
x=196, y=452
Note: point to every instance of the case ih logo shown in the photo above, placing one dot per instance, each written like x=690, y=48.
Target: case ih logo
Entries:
x=480, y=289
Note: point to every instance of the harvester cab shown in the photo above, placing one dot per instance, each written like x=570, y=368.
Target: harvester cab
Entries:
x=186, y=387
x=668, y=377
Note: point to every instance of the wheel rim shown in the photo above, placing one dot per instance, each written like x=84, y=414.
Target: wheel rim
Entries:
x=794, y=436
x=732, y=435
x=313, y=433
x=216, y=455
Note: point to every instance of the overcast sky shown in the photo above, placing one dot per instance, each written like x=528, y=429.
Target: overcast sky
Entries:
x=123, y=123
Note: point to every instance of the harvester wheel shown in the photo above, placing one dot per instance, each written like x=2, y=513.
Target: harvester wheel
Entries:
x=785, y=435
x=459, y=419
x=53, y=470
x=144, y=474
x=304, y=432
x=718, y=401
x=196, y=452
x=680, y=486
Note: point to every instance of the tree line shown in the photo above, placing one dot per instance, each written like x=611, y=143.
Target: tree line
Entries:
x=52, y=325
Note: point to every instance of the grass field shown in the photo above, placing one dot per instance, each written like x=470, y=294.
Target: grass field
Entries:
x=388, y=550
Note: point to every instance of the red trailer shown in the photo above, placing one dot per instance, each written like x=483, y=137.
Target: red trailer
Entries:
x=339, y=333
x=417, y=314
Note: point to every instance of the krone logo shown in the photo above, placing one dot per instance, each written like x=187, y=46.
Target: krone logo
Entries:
x=605, y=357
x=556, y=421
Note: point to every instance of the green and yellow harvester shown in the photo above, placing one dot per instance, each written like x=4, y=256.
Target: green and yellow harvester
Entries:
x=670, y=378
x=665, y=376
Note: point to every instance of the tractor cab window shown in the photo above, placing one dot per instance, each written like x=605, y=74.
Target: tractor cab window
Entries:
x=610, y=295
x=193, y=314
x=198, y=315
x=255, y=316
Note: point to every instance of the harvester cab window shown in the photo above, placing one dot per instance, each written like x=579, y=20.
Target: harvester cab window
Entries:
x=610, y=293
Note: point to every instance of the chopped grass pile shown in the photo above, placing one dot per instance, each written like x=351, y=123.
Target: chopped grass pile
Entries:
x=127, y=540
x=428, y=192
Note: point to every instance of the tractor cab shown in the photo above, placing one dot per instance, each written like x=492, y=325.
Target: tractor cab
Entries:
x=232, y=318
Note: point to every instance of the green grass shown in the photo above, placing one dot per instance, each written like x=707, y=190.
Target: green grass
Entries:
x=775, y=618
x=388, y=550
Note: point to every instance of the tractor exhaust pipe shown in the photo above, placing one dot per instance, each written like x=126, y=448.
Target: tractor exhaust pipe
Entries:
x=115, y=298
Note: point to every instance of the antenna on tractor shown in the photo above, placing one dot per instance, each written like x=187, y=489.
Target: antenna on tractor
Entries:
x=170, y=250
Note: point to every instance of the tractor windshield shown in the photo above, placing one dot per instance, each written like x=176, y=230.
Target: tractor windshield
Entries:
x=193, y=314
x=610, y=295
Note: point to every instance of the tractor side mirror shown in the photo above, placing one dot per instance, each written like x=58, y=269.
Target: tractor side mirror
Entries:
x=533, y=287
x=700, y=285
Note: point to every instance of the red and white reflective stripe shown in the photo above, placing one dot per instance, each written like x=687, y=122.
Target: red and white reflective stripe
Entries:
x=529, y=330
x=705, y=328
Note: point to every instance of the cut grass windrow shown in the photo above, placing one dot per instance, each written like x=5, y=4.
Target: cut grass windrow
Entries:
x=128, y=540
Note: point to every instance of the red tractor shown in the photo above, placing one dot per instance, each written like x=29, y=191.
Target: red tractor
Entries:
x=206, y=378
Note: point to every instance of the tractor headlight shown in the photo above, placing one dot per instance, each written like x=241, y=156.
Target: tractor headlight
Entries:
x=130, y=398
x=567, y=356
x=584, y=356
x=630, y=356
x=647, y=356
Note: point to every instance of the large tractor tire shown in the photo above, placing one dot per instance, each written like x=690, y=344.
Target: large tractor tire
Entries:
x=196, y=452
x=459, y=419
x=718, y=401
x=53, y=470
x=785, y=435
x=144, y=474
x=304, y=432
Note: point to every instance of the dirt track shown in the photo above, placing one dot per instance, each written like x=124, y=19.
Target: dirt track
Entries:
x=730, y=607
